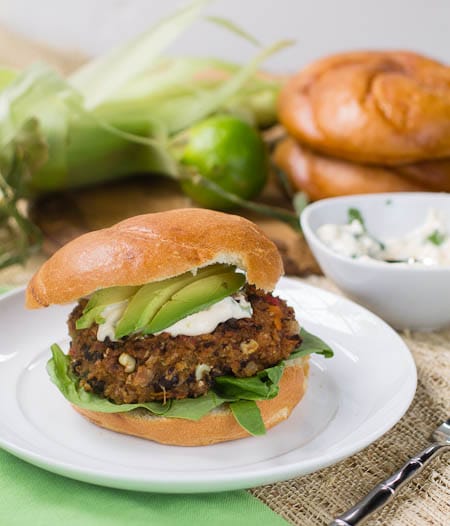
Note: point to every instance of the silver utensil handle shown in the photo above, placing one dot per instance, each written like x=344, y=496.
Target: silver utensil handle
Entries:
x=386, y=490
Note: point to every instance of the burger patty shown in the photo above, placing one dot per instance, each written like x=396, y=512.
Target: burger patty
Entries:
x=143, y=368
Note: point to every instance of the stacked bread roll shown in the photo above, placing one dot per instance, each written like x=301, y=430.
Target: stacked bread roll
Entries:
x=364, y=122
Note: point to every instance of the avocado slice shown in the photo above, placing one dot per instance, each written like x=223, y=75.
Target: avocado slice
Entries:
x=94, y=315
x=195, y=297
x=151, y=297
x=99, y=300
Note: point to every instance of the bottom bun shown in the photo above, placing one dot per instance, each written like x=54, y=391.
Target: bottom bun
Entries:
x=217, y=426
x=321, y=176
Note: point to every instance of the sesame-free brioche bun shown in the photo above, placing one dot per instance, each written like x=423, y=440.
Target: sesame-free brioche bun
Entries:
x=153, y=247
x=217, y=426
x=321, y=176
x=373, y=107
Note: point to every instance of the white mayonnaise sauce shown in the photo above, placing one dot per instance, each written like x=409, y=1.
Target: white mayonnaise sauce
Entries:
x=202, y=322
x=205, y=321
x=428, y=244
x=112, y=314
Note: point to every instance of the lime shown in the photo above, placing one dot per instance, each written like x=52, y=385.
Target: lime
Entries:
x=228, y=152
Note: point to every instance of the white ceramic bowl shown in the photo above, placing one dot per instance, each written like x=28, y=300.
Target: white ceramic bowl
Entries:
x=406, y=296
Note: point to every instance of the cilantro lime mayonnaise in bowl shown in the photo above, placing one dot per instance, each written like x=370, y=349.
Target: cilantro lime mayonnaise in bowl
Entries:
x=390, y=252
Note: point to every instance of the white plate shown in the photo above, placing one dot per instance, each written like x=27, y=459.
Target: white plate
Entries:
x=352, y=399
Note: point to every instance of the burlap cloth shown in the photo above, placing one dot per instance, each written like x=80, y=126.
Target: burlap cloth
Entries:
x=316, y=499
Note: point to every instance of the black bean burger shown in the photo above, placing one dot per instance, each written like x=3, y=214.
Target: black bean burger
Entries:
x=175, y=335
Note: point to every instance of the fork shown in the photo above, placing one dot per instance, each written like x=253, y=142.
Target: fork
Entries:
x=385, y=491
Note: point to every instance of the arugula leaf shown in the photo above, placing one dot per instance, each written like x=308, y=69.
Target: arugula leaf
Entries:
x=248, y=416
x=311, y=344
x=194, y=408
x=240, y=393
x=245, y=411
x=262, y=386
x=437, y=238
x=59, y=371
x=274, y=374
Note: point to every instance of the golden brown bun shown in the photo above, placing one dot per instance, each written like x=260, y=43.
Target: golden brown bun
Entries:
x=217, y=426
x=435, y=175
x=153, y=247
x=320, y=176
x=372, y=107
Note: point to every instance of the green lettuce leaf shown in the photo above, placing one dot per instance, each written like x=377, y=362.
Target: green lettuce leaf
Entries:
x=262, y=386
x=240, y=393
x=248, y=416
x=245, y=410
x=311, y=344
x=194, y=408
x=58, y=368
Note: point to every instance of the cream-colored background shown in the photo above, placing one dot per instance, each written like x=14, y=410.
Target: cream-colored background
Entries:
x=319, y=26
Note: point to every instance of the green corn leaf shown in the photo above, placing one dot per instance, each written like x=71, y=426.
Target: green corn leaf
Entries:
x=24, y=96
x=101, y=78
x=272, y=211
x=19, y=237
x=167, y=79
x=6, y=77
x=300, y=202
x=233, y=28
x=190, y=109
x=171, y=86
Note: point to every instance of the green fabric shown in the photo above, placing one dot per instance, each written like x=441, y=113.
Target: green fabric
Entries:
x=32, y=496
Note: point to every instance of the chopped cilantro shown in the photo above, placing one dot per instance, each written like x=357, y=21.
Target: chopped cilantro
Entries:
x=355, y=215
x=437, y=238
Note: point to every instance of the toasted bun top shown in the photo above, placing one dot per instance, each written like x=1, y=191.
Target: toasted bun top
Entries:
x=153, y=247
x=383, y=107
